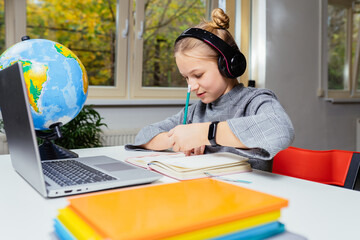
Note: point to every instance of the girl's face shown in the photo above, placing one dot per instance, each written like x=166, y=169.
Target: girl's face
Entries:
x=204, y=77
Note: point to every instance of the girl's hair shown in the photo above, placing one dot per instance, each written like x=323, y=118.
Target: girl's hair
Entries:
x=218, y=26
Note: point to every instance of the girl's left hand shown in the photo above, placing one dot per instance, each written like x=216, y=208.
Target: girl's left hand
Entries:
x=195, y=151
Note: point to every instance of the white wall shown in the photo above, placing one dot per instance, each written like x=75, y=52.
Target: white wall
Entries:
x=135, y=116
x=292, y=72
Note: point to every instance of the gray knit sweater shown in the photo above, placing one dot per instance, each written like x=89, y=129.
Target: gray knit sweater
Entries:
x=254, y=115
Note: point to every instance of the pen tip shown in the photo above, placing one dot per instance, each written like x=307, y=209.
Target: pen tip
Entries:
x=189, y=88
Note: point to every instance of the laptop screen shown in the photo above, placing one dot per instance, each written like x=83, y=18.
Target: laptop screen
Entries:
x=19, y=127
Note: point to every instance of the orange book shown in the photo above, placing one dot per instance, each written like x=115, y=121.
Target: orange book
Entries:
x=166, y=210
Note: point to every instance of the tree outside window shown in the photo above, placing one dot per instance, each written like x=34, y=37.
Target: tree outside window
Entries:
x=337, y=22
x=164, y=21
x=126, y=46
x=86, y=27
x=343, y=49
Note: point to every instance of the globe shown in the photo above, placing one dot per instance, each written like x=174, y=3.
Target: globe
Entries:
x=56, y=80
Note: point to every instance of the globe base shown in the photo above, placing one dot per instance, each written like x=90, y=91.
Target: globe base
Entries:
x=49, y=151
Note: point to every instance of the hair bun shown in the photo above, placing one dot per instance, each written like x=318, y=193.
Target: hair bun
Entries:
x=219, y=19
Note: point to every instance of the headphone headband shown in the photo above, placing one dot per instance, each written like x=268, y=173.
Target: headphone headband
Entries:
x=234, y=61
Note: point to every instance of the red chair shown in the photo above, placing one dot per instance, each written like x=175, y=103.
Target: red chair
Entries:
x=335, y=167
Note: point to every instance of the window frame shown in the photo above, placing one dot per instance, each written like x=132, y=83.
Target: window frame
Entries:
x=129, y=49
x=137, y=91
x=15, y=28
x=344, y=95
x=119, y=90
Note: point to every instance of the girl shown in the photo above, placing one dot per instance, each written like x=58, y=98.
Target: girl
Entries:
x=229, y=117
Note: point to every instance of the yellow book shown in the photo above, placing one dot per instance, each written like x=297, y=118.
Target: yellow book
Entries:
x=77, y=226
x=227, y=228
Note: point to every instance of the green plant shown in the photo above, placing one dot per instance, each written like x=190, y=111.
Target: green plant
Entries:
x=84, y=131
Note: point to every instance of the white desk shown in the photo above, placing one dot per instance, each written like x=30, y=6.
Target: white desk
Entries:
x=315, y=211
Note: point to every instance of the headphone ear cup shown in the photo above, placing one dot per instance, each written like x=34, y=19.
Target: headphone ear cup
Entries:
x=238, y=65
x=222, y=67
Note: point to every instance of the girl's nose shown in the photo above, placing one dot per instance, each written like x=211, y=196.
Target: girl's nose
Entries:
x=194, y=84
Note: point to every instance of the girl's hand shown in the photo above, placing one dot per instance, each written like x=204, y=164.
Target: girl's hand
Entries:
x=189, y=138
x=195, y=151
x=159, y=142
x=193, y=137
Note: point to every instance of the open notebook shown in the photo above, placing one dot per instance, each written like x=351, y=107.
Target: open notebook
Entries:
x=181, y=167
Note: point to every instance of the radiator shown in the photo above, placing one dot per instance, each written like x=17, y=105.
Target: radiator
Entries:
x=108, y=138
x=118, y=137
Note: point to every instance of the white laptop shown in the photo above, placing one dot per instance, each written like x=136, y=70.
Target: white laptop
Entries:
x=91, y=173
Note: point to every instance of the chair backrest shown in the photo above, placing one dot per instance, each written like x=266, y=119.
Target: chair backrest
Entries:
x=328, y=167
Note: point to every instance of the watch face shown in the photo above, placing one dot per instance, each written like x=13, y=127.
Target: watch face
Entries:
x=212, y=133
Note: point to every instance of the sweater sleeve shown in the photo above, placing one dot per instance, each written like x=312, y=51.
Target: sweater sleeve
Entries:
x=266, y=129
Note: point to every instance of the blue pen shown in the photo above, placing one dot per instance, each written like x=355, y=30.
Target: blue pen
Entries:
x=187, y=103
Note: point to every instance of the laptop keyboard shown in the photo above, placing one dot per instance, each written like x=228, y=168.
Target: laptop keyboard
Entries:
x=71, y=172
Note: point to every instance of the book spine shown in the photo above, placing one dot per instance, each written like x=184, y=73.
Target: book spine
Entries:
x=76, y=225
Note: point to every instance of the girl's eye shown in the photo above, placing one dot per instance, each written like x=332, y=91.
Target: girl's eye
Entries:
x=198, y=76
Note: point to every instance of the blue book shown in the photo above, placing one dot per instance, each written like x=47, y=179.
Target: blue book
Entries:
x=62, y=232
x=286, y=235
x=255, y=233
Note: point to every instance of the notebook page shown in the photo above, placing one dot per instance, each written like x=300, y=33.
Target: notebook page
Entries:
x=202, y=161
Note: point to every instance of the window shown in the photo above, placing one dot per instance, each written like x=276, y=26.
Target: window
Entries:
x=343, y=50
x=88, y=28
x=162, y=25
x=89, y=33
x=126, y=46
x=157, y=25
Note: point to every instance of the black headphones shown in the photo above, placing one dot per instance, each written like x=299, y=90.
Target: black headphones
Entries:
x=231, y=61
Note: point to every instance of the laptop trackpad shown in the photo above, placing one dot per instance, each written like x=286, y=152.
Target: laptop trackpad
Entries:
x=112, y=167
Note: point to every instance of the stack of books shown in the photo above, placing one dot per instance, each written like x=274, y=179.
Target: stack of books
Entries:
x=194, y=209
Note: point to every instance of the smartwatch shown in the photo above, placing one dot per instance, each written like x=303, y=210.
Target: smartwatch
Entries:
x=212, y=133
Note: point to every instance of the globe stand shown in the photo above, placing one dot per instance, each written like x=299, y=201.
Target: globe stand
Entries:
x=49, y=150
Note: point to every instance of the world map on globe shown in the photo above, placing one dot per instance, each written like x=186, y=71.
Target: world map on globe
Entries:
x=56, y=80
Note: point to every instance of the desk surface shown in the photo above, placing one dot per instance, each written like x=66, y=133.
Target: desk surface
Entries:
x=315, y=210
